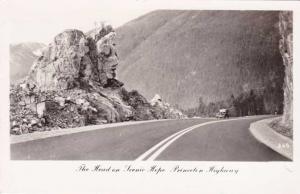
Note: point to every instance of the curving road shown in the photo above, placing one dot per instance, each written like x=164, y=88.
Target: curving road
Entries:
x=188, y=139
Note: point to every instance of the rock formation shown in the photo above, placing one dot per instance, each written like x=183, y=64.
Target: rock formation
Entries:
x=286, y=50
x=164, y=110
x=73, y=59
x=73, y=84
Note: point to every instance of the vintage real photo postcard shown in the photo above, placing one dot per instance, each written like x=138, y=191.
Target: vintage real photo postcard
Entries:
x=98, y=83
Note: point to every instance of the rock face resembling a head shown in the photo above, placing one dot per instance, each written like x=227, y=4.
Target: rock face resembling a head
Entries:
x=74, y=58
x=108, y=53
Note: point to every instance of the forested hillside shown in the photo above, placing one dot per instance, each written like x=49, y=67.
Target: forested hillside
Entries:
x=187, y=55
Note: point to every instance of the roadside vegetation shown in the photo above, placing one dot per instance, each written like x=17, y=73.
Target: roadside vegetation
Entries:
x=253, y=102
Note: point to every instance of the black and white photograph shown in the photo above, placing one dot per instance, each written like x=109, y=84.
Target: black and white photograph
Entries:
x=215, y=85
x=98, y=81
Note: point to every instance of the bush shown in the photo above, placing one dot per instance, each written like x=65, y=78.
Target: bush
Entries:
x=142, y=108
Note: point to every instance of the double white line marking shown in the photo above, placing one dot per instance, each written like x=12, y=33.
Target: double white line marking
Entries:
x=156, y=150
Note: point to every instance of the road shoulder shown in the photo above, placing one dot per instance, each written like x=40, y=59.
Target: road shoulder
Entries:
x=277, y=142
x=59, y=132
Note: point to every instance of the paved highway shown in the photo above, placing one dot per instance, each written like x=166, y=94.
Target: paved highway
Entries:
x=180, y=140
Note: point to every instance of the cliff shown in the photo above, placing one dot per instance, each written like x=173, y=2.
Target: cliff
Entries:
x=286, y=50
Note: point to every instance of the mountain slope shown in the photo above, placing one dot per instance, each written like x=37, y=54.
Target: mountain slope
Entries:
x=183, y=55
x=21, y=58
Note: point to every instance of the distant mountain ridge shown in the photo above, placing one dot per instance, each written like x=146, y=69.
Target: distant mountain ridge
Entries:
x=184, y=55
x=22, y=56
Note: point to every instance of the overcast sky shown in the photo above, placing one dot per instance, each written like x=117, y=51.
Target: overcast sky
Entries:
x=40, y=21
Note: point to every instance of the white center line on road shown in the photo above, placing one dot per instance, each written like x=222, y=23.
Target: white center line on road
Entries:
x=144, y=155
x=161, y=146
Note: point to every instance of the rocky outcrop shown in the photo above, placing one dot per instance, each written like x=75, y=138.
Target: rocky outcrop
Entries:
x=286, y=50
x=73, y=83
x=73, y=59
x=164, y=110
x=65, y=108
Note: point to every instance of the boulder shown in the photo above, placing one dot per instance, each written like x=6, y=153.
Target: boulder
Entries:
x=164, y=110
x=41, y=108
x=59, y=65
x=60, y=100
x=156, y=100
x=16, y=131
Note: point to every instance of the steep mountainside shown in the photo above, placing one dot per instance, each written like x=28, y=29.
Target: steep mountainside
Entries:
x=183, y=55
x=21, y=58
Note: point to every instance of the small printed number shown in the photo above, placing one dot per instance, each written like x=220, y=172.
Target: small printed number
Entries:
x=283, y=145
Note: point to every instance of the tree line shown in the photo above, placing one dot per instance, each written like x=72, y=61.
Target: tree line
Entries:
x=252, y=102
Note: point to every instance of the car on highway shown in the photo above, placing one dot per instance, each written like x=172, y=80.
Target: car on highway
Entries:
x=222, y=114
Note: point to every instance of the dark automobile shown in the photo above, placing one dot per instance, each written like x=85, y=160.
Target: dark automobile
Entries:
x=222, y=114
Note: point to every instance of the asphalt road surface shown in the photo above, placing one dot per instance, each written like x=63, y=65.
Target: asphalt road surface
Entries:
x=179, y=140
